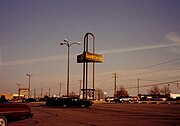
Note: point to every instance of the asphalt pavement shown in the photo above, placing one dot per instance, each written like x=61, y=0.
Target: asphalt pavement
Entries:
x=104, y=115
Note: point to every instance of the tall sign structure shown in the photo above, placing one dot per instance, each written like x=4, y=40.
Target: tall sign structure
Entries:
x=85, y=58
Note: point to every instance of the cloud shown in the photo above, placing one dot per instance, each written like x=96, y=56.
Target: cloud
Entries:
x=174, y=50
x=171, y=37
x=42, y=59
x=174, y=39
x=119, y=50
x=60, y=57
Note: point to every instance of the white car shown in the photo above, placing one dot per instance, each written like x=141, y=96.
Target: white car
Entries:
x=109, y=99
x=123, y=99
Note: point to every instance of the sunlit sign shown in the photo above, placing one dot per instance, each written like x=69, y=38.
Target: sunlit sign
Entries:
x=89, y=57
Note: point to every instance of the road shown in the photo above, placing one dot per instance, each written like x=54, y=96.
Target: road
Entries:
x=105, y=115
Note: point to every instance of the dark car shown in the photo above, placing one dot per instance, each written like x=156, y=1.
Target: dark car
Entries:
x=13, y=112
x=69, y=102
x=54, y=101
x=31, y=100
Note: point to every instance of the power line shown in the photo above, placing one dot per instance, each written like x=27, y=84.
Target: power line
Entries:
x=147, y=72
x=162, y=64
x=159, y=64
x=147, y=80
x=155, y=84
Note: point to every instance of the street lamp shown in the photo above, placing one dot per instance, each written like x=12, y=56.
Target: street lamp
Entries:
x=68, y=45
x=29, y=75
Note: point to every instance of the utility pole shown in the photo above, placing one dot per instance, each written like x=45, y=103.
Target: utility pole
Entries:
x=34, y=92
x=80, y=88
x=29, y=88
x=49, y=92
x=41, y=92
x=18, y=90
x=114, y=75
x=60, y=89
x=138, y=85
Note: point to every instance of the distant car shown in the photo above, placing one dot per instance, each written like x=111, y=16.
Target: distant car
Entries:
x=123, y=100
x=69, y=102
x=31, y=100
x=42, y=99
x=13, y=111
x=109, y=99
x=158, y=99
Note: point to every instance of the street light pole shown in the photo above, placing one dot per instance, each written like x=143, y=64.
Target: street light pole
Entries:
x=68, y=73
x=29, y=88
x=68, y=67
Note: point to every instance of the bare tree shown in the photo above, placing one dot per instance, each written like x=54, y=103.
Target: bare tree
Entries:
x=165, y=90
x=121, y=91
x=154, y=91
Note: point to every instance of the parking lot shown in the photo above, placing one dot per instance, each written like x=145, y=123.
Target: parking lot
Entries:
x=104, y=115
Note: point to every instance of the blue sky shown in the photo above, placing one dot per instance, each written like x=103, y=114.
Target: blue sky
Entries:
x=130, y=35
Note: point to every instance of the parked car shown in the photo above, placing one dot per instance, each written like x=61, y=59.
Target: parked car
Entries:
x=123, y=100
x=13, y=112
x=159, y=99
x=54, y=101
x=69, y=102
x=31, y=100
x=109, y=99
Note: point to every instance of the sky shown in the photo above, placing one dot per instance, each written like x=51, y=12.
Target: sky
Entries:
x=138, y=39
